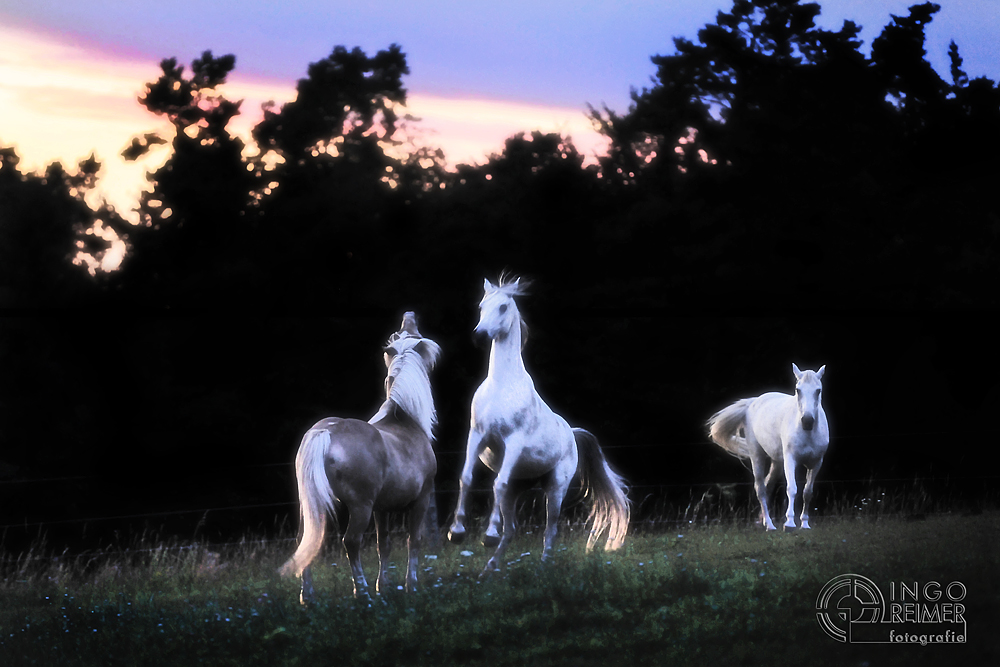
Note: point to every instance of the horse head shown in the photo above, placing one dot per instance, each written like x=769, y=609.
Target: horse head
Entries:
x=409, y=358
x=808, y=395
x=498, y=313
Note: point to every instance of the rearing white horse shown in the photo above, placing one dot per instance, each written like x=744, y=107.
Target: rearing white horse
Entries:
x=788, y=430
x=519, y=437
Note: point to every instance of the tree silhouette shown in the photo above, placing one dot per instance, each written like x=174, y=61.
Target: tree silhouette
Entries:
x=193, y=222
x=768, y=150
x=47, y=232
x=328, y=190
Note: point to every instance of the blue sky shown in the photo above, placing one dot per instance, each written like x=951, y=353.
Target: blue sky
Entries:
x=550, y=52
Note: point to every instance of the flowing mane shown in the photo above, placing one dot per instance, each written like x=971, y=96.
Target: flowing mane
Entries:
x=512, y=285
x=410, y=388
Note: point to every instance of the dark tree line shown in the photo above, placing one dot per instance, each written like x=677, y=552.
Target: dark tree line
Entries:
x=770, y=157
x=771, y=168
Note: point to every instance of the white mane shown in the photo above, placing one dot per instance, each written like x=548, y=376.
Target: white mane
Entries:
x=410, y=390
x=508, y=286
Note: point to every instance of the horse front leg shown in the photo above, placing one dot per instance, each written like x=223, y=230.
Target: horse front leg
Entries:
x=360, y=516
x=494, y=529
x=415, y=539
x=502, y=522
x=456, y=534
x=792, y=487
x=807, y=494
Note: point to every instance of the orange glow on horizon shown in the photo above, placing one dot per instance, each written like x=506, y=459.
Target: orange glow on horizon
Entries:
x=62, y=102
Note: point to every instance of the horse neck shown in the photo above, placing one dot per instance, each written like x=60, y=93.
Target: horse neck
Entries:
x=505, y=356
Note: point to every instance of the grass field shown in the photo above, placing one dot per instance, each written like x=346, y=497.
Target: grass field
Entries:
x=724, y=594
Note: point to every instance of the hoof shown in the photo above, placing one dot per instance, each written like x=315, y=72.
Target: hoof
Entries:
x=790, y=529
x=456, y=537
x=490, y=541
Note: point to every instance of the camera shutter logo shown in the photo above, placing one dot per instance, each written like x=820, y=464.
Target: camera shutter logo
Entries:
x=845, y=599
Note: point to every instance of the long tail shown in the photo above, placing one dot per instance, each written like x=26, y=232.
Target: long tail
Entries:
x=609, y=505
x=724, y=428
x=315, y=499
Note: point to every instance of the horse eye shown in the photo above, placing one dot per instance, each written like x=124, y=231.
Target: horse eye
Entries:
x=390, y=352
x=503, y=309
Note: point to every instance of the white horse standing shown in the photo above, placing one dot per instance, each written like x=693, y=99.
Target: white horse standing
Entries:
x=519, y=437
x=788, y=430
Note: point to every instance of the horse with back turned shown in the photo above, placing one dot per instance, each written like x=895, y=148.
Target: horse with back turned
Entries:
x=376, y=467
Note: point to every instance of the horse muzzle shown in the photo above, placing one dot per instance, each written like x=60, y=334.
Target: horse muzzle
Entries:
x=808, y=421
x=481, y=338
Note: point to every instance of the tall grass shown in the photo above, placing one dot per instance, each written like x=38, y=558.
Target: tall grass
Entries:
x=703, y=593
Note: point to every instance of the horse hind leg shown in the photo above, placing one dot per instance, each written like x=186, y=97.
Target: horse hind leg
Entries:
x=308, y=592
x=774, y=476
x=555, y=492
x=384, y=548
x=360, y=516
x=415, y=522
x=759, y=462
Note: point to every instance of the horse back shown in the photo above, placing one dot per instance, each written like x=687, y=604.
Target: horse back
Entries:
x=769, y=417
x=356, y=460
x=410, y=463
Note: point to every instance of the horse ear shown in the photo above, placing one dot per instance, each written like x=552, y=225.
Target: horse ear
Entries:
x=819, y=373
x=487, y=285
x=429, y=350
x=795, y=369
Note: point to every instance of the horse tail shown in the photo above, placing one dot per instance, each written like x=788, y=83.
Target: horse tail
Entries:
x=315, y=499
x=724, y=428
x=610, y=506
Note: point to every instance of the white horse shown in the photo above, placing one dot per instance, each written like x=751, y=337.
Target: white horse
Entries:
x=519, y=437
x=788, y=430
x=375, y=467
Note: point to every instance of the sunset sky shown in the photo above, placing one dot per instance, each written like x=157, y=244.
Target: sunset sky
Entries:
x=70, y=71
